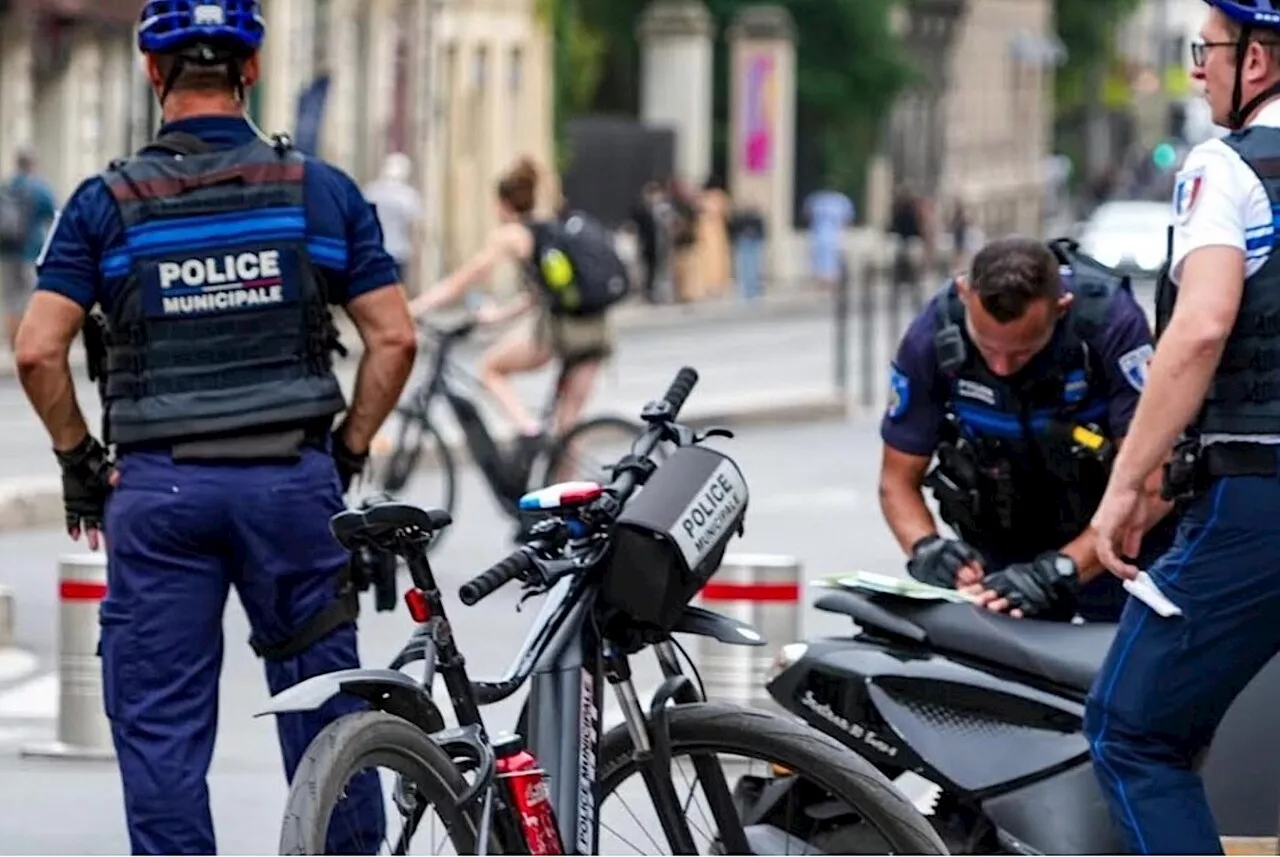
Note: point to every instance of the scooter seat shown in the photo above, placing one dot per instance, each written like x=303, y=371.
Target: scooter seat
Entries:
x=1059, y=652
x=1064, y=654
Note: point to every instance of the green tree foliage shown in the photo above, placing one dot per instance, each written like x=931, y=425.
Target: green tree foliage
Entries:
x=849, y=68
x=1087, y=29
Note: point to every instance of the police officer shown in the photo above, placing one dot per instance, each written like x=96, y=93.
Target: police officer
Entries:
x=1020, y=377
x=213, y=255
x=1215, y=380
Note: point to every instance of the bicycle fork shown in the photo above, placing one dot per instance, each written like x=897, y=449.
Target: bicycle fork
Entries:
x=651, y=738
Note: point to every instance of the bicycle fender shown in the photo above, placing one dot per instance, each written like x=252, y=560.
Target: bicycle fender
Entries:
x=705, y=623
x=385, y=690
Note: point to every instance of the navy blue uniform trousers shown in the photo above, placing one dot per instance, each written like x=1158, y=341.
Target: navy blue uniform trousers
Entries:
x=1168, y=682
x=179, y=537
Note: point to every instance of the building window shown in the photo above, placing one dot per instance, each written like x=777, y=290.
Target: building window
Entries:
x=323, y=11
x=479, y=76
x=515, y=87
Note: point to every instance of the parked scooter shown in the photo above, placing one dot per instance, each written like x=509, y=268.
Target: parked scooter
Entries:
x=990, y=710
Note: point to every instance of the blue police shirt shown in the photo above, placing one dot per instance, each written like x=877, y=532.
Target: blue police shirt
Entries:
x=344, y=238
x=915, y=418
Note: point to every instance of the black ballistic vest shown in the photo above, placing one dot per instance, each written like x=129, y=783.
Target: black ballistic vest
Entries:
x=1244, y=396
x=1037, y=489
x=221, y=326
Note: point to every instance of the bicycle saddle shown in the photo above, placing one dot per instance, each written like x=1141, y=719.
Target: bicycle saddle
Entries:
x=379, y=524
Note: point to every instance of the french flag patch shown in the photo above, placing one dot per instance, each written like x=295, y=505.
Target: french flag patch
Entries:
x=1186, y=193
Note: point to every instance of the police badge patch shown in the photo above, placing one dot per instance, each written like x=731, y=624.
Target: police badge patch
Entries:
x=1186, y=193
x=1133, y=365
x=899, y=393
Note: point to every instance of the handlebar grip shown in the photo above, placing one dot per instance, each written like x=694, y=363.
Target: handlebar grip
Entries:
x=485, y=583
x=680, y=389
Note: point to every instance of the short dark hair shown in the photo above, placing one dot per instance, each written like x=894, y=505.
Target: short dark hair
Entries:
x=199, y=78
x=1010, y=274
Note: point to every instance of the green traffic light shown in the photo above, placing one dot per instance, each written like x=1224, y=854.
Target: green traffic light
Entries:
x=1164, y=156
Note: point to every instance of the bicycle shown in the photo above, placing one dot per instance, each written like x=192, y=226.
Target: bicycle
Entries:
x=584, y=635
x=508, y=476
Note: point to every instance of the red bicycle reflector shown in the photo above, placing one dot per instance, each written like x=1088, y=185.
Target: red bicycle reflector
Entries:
x=417, y=604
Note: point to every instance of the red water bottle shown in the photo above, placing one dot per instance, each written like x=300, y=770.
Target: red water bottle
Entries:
x=530, y=794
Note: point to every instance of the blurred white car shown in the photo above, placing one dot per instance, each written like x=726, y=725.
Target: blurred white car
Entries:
x=1129, y=235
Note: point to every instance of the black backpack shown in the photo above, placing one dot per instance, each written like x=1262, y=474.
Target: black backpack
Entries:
x=577, y=265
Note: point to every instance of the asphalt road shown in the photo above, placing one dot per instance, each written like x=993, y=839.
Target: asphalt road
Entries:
x=746, y=358
x=813, y=497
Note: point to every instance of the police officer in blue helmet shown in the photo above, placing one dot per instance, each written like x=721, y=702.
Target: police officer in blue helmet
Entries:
x=212, y=258
x=1212, y=396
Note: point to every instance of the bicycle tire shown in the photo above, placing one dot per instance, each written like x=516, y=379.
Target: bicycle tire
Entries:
x=557, y=450
x=402, y=462
x=336, y=754
x=718, y=727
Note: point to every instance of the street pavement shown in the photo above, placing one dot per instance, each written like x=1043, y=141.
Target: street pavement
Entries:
x=813, y=497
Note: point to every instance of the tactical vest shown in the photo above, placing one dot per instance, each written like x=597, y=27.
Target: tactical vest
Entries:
x=221, y=326
x=1244, y=396
x=1035, y=485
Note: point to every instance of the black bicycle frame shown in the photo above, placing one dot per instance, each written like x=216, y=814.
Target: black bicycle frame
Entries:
x=480, y=443
x=568, y=663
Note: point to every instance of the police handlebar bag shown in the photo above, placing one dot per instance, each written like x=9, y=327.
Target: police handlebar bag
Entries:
x=672, y=536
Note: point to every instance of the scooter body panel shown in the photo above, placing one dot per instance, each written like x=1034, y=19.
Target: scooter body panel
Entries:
x=1012, y=751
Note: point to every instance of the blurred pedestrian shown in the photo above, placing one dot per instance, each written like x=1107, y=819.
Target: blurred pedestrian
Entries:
x=829, y=214
x=399, y=208
x=27, y=208
x=715, y=264
x=747, y=232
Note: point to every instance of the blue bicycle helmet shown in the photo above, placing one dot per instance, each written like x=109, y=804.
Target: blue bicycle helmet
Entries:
x=169, y=26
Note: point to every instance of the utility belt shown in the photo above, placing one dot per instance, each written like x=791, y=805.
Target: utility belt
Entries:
x=1193, y=467
x=267, y=444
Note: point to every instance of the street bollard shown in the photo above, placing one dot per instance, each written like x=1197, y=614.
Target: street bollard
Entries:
x=764, y=591
x=83, y=731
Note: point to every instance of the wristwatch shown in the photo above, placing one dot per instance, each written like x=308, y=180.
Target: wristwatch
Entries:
x=1068, y=573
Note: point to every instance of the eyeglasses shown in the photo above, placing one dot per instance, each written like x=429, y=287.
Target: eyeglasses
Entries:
x=1200, y=50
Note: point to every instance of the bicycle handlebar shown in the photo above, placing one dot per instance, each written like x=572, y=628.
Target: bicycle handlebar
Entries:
x=518, y=562
x=524, y=560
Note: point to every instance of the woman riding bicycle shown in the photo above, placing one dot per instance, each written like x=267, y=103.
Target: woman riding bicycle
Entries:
x=580, y=342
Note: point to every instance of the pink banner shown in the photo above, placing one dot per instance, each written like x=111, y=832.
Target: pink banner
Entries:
x=758, y=113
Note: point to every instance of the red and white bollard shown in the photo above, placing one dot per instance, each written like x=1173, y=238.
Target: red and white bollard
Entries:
x=764, y=591
x=83, y=729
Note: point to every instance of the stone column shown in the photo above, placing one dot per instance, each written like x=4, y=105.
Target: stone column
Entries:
x=678, y=41
x=762, y=122
x=17, y=94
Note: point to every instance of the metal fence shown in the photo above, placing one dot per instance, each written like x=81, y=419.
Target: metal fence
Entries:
x=874, y=302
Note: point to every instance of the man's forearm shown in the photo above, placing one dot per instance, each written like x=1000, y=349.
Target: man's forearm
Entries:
x=1177, y=382
x=52, y=392
x=906, y=513
x=380, y=380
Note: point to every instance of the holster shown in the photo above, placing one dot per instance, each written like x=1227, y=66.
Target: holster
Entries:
x=955, y=483
x=1185, y=477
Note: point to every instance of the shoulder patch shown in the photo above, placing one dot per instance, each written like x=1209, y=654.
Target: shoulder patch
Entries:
x=1133, y=365
x=1186, y=193
x=899, y=393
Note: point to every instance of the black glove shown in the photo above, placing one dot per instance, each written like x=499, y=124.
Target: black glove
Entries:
x=350, y=464
x=1049, y=583
x=86, y=474
x=937, y=561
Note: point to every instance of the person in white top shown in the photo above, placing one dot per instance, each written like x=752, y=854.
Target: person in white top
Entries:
x=399, y=208
x=1212, y=396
